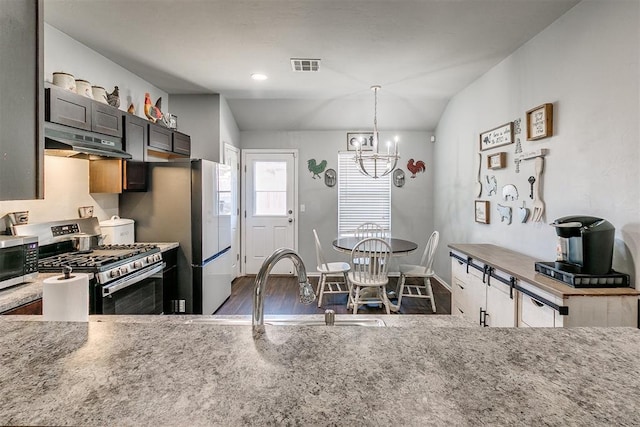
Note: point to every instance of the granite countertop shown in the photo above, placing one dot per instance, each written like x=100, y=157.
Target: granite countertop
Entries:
x=25, y=293
x=153, y=370
x=522, y=267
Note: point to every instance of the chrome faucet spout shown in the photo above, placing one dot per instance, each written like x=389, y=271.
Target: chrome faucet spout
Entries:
x=307, y=294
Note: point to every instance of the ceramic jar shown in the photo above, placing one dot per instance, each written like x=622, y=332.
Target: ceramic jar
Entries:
x=83, y=87
x=65, y=81
x=99, y=94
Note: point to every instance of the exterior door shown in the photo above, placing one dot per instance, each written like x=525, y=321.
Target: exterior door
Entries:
x=232, y=158
x=270, y=198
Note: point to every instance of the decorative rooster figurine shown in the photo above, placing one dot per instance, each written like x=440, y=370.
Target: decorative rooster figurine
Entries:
x=316, y=170
x=152, y=112
x=113, y=98
x=416, y=167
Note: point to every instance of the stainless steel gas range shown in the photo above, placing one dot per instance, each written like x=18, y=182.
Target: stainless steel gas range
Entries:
x=126, y=279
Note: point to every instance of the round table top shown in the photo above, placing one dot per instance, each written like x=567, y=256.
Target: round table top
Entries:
x=398, y=246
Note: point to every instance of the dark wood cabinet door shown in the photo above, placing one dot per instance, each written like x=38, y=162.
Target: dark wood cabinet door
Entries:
x=159, y=137
x=135, y=176
x=68, y=108
x=21, y=100
x=135, y=136
x=106, y=119
x=34, y=307
x=181, y=143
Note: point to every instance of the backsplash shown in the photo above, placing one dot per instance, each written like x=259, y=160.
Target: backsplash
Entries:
x=66, y=188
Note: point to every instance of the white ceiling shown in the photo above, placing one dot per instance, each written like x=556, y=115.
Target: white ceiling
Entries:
x=422, y=52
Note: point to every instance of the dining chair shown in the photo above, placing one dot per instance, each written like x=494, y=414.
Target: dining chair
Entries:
x=370, y=229
x=327, y=270
x=424, y=271
x=368, y=281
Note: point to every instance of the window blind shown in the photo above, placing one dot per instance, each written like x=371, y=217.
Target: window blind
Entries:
x=360, y=197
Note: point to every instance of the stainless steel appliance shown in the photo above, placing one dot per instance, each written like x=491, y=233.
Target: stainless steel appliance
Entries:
x=585, y=253
x=189, y=202
x=18, y=260
x=126, y=279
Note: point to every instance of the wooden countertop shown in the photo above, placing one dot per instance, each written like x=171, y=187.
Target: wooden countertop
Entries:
x=521, y=266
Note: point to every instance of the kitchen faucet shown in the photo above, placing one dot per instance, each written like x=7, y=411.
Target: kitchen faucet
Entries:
x=307, y=294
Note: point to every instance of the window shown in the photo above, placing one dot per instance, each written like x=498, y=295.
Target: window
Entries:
x=361, y=198
x=270, y=184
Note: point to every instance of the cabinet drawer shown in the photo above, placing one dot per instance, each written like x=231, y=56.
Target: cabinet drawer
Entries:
x=534, y=313
x=459, y=269
x=181, y=143
x=159, y=137
x=106, y=119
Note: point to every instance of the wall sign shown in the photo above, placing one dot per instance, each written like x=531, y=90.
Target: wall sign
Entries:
x=540, y=122
x=502, y=135
x=364, y=139
x=482, y=211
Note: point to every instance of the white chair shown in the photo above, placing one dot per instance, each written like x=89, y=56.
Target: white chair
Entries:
x=329, y=269
x=423, y=271
x=369, y=229
x=368, y=281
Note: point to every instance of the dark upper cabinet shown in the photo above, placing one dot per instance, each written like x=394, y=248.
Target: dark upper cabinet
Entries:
x=136, y=136
x=160, y=137
x=68, y=108
x=106, y=119
x=181, y=143
x=21, y=100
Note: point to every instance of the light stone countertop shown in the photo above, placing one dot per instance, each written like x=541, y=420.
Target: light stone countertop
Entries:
x=25, y=293
x=157, y=370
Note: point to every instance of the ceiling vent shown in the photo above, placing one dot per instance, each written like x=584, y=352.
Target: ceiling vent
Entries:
x=303, y=65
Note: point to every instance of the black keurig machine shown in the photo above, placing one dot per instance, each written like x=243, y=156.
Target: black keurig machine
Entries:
x=586, y=243
x=585, y=253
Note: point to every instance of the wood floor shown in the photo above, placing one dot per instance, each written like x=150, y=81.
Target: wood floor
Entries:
x=281, y=297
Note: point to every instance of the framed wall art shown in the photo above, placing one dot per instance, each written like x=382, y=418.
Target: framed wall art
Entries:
x=482, y=211
x=365, y=139
x=497, y=137
x=497, y=161
x=540, y=122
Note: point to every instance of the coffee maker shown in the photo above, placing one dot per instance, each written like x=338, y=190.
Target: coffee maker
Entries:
x=585, y=253
x=585, y=243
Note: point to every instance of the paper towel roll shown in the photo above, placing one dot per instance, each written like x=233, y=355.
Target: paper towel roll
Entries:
x=66, y=299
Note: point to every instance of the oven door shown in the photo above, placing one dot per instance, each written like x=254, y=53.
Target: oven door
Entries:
x=138, y=293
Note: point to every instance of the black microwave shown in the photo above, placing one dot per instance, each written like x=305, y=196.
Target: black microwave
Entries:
x=18, y=260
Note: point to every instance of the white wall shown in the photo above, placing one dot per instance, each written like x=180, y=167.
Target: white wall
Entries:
x=412, y=205
x=586, y=64
x=66, y=189
x=62, y=53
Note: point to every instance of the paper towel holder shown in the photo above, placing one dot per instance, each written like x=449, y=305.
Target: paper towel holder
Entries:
x=66, y=270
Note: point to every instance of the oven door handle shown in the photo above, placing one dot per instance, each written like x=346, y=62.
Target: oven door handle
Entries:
x=125, y=282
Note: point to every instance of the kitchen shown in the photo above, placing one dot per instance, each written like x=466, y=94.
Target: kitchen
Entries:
x=596, y=101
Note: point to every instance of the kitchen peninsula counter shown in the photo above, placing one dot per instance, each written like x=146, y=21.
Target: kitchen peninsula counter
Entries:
x=425, y=370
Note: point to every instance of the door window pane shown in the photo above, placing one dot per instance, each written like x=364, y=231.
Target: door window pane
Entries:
x=270, y=188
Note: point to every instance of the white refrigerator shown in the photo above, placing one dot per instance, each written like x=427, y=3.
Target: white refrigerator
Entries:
x=189, y=202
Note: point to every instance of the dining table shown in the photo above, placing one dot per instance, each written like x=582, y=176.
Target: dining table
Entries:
x=399, y=247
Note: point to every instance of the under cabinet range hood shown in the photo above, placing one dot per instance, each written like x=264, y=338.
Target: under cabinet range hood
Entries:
x=65, y=141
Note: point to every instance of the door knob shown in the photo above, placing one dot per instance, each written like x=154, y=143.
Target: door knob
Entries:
x=290, y=219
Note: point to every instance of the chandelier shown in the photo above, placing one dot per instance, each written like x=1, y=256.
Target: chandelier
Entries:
x=373, y=163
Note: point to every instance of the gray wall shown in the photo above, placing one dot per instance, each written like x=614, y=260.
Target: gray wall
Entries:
x=586, y=64
x=209, y=122
x=412, y=214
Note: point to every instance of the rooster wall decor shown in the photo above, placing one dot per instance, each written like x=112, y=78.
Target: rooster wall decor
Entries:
x=152, y=112
x=416, y=167
x=316, y=169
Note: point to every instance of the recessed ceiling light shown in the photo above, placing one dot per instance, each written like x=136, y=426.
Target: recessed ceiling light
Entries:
x=258, y=76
